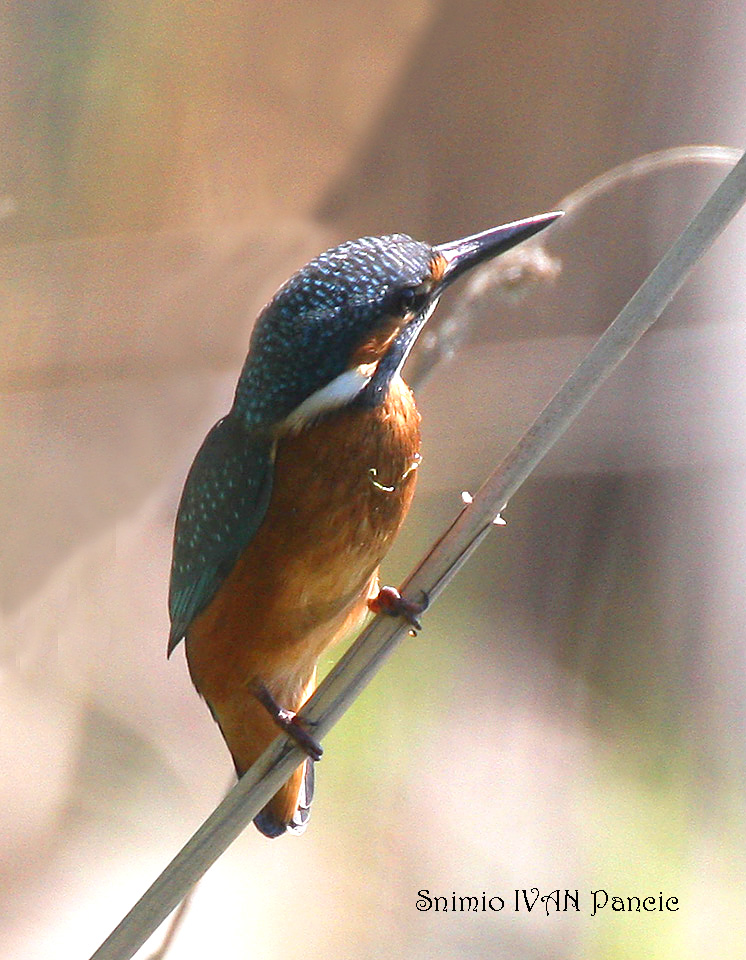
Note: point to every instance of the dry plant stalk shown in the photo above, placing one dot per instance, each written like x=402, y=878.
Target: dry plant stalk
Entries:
x=375, y=643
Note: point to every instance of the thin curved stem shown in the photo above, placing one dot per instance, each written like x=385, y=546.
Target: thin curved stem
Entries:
x=375, y=643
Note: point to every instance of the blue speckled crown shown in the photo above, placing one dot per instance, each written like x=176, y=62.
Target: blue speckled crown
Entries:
x=306, y=334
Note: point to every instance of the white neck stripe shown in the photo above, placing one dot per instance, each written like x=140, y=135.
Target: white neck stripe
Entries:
x=337, y=393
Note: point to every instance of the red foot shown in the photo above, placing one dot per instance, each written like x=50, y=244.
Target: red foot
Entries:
x=287, y=721
x=295, y=728
x=391, y=602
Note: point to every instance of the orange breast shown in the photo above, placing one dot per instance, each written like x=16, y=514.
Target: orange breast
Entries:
x=341, y=490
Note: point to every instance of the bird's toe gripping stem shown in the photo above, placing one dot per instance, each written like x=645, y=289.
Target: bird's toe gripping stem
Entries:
x=289, y=722
x=390, y=601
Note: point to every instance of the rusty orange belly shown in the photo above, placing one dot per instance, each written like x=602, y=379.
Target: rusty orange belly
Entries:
x=341, y=490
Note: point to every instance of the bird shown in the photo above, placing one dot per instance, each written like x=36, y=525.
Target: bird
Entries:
x=298, y=492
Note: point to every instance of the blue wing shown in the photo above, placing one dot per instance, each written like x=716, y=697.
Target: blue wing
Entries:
x=224, y=501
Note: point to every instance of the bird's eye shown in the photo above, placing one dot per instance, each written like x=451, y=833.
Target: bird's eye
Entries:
x=409, y=299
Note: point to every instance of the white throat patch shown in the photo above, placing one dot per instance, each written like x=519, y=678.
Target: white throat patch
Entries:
x=337, y=393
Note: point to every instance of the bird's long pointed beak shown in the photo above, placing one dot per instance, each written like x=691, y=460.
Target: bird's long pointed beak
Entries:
x=462, y=255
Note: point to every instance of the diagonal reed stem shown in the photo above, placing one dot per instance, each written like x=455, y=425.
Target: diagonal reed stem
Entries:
x=375, y=643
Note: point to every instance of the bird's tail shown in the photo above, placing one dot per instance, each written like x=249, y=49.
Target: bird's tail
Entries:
x=290, y=808
x=248, y=727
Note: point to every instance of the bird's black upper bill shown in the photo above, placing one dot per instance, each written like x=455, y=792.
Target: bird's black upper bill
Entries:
x=462, y=255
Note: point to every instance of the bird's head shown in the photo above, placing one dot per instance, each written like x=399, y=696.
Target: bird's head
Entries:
x=341, y=327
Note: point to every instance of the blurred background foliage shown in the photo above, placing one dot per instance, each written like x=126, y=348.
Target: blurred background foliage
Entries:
x=572, y=716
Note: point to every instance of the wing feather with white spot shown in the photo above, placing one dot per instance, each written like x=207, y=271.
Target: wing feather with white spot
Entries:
x=224, y=501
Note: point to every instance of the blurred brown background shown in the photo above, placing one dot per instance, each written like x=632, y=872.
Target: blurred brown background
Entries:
x=572, y=715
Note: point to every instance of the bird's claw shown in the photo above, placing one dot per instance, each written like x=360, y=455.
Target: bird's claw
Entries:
x=298, y=730
x=390, y=601
x=290, y=723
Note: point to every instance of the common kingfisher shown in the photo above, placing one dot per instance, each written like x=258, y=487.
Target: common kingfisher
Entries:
x=297, y=494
